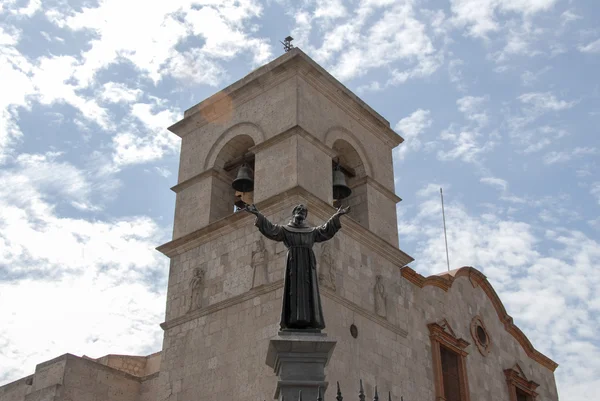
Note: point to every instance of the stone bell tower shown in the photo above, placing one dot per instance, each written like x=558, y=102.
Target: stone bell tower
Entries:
x=289, y=121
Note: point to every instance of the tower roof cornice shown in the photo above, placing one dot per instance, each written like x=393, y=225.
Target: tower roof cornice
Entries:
x=296, y=60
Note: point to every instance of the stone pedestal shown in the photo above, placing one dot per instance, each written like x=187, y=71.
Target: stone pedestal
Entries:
x=299, y=359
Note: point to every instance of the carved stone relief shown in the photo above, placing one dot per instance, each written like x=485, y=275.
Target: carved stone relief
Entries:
x=260, y=275
x=380, y=297
x=196, y=287
x=326, y=267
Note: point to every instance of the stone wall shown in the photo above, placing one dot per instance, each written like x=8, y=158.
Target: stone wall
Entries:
x=463, y=301
x=17, y=390
x=69, y=378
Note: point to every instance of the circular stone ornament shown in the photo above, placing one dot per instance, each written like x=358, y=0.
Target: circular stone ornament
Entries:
x=353, y=331
x=480, y=336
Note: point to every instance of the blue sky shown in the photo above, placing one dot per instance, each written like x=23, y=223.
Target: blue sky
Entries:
x=498, y=101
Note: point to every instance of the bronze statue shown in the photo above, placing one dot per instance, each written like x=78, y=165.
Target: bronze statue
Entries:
x=301, y=308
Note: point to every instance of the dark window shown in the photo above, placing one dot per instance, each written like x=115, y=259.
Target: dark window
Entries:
x=451, y=375
x=522, y=396
x=482, y=335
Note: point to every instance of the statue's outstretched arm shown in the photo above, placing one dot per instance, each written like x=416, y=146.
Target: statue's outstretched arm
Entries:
x=272, y=231
x=251, y=209
x=341, y=211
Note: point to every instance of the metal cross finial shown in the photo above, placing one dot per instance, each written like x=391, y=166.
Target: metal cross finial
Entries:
x=287, y=44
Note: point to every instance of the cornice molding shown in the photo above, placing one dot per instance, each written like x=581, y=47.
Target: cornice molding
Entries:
x=207, y=110
x=444, y=281
x=290, y=132
x=264, y=289
x=376, y=185
x=293, y=63
x=195, y=314
x=515, y=378
x=274, y=205
x=211, y=172
x=362, y=311
x=438, y=333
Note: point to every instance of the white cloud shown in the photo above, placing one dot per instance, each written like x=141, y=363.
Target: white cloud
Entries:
x=330, y=9
x=520, y=38
x=16, y=85
x=480, y=16
x=471, y=107
x=569, y=16
x=28, y=10
x=150, y=142
x=592, y=47
x=430, y=189
x=545, y=101
x=109, y=267
x=529, y=78
x=114, y=92
x=48, y=175
x=595, y=191
x=411, y=128
x=377, y=34
x=218, y=23
x=162, y=171
x=195, y=66
x=564, y=156
x=456, y=74
x=468, y=142
x=465, y=143
x=495, y=182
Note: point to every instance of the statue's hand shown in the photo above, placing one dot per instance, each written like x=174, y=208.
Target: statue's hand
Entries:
x=251, y=209
x=343, y=210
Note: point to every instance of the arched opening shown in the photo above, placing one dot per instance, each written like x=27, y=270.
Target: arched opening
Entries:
x=227, y=163
x=354, y=170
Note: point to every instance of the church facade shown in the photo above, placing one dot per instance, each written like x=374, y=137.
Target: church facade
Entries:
x=444, y=337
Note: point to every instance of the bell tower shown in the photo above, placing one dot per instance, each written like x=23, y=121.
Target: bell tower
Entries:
x=293, y=128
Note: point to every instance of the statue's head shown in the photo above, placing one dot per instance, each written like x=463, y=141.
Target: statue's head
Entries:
x=299, y=213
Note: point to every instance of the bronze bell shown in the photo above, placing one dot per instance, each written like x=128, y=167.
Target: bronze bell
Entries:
x=340, y=189
x=243, y=181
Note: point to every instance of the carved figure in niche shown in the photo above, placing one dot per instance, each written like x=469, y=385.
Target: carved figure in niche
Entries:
x=301, y=308
x=327, y=268
x=380, y=297
x=196, y=287
x=259, y=264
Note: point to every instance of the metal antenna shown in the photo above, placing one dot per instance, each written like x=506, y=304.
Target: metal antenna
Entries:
x=287, y=44
x=445, y=236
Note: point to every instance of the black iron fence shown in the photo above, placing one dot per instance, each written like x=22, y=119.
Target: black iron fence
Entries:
x=339, y=397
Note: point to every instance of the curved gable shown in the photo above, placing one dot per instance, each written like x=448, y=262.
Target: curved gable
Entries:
x=444, y=281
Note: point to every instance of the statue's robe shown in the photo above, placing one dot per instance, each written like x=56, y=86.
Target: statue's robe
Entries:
x=301, y=300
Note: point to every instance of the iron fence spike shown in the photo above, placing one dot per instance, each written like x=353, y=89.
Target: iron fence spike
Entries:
x=376, y=397
x=339, y=393
x=361, y=393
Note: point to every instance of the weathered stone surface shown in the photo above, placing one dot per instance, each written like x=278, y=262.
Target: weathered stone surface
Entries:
x=299, y=359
